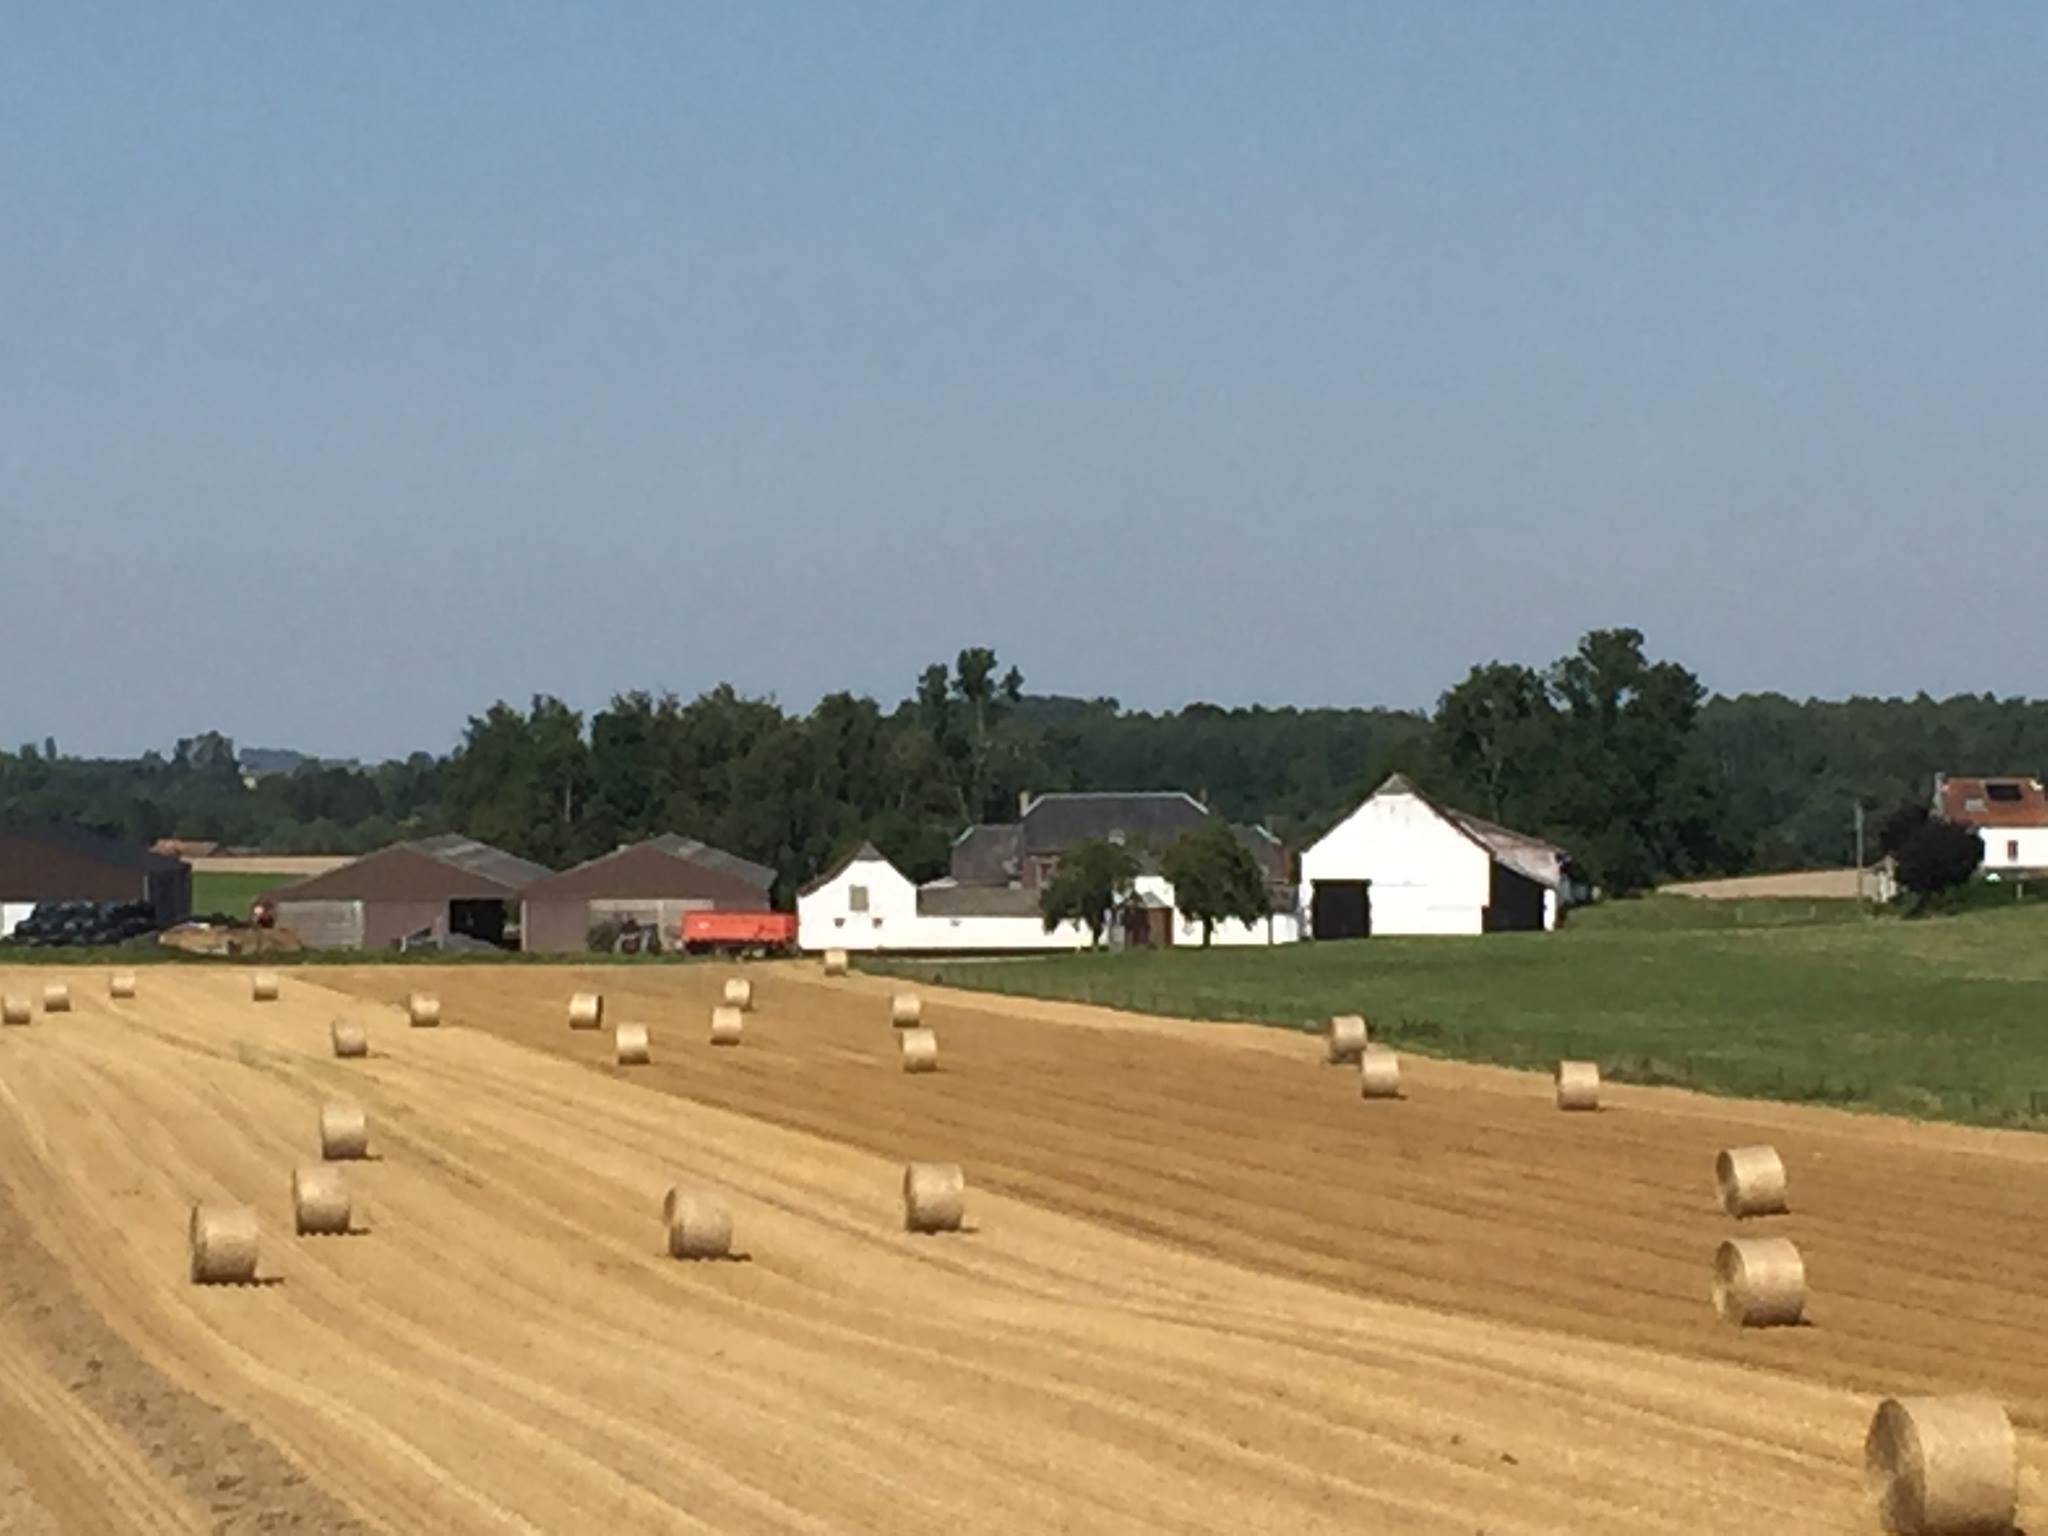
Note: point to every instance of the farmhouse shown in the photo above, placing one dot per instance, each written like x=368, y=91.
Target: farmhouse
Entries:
x=651, y=883
x=62, y=862
x=1402, y=864
x=2010, y=814
x=443, y=886
x=988, y=900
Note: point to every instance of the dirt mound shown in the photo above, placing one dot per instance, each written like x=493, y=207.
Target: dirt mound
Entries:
x=230, y=939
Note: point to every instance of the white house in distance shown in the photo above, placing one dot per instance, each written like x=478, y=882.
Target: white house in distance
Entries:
x=1402, y=864
x=2011, y=815
x=988, y=900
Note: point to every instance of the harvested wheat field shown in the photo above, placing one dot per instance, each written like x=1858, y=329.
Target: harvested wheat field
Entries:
x=1202, y=1287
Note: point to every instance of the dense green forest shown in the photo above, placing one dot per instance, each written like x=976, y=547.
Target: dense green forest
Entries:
x=1623, y=759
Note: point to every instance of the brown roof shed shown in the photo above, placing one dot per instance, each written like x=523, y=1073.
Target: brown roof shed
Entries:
x=448, y=884
x=446, y=868
x=654, y=881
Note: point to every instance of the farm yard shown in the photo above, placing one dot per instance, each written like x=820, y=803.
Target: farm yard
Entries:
x=1202, y=1286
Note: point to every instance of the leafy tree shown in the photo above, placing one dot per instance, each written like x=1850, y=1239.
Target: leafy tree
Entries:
x=1939, y=857
x=962, y=713
x=517, y=780
x=1092, y=876
x=1625, y=732
x=1897, y=827
x=1496, y=736
x=1215, y=877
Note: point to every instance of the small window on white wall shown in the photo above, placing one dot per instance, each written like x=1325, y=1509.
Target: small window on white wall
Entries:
x=856, y=898
x=2012, y=850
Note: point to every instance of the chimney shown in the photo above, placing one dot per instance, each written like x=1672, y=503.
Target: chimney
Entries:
x=1024, y=799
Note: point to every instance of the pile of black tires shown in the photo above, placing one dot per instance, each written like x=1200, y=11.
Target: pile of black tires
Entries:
x=77, y=924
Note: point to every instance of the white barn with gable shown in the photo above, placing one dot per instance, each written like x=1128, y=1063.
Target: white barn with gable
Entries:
x=1402, y=864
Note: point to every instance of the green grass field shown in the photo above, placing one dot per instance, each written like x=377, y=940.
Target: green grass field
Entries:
x=233, y=893
x=1938, y=1017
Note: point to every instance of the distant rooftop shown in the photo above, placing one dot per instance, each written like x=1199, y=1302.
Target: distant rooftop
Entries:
x=1992, y=802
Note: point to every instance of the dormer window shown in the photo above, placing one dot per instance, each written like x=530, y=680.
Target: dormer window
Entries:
x=2005, y=792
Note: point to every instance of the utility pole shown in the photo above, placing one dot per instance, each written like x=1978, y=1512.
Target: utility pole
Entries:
x=1860, y=901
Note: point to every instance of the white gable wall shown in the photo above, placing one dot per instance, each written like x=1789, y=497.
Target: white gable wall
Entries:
x=826, y=919
x=1427, y=876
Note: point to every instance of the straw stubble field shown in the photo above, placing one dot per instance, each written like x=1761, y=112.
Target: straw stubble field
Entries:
x=1204, y=1286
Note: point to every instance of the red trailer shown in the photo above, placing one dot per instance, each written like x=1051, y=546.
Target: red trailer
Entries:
x=755, y=933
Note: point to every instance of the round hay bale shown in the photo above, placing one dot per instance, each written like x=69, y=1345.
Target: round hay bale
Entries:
x=320, y=1203
x=1379, y=1073
x=121, y=985
x=223, y=1244
x=1759, y=1282
x=1943, y=1466
x=1345, y=1035
x=263, y=987
x=344, y=1132
x=57, y=997
x=630, y=1041
x=906, y=1010
x=424, y=1009
x=350, y=1038
x=1578, y=1085
x=15, y=1009
x=1751, y=1181
x=934, y=1197
x=699, y=1227
x=739, y=993
x=920, y=1050
x=727, y=1025
x=586, y=1010
x=835, y=962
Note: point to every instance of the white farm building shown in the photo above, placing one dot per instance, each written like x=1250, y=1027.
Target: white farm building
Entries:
x=1402, y=864
x=2010, y=814
x=988, y=900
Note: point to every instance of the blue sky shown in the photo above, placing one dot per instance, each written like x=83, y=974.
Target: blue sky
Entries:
x=362, y=364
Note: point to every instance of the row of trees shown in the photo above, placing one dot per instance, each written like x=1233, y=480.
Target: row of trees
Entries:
x=1616, y=754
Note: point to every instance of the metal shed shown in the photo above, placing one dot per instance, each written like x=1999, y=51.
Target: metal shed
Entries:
x=441, y=885
x=653, y=883
x=59, y=861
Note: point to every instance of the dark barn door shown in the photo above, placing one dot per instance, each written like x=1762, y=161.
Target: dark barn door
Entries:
x=478, y=920
x=1516, y=905
x=1341, y=909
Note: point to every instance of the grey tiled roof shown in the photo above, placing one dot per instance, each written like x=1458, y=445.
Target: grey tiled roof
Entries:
x=475, y=858
x=976, y=901
x=1053, y=823
x=986, y=855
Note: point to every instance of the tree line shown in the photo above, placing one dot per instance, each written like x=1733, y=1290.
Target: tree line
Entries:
x=1621, y=757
